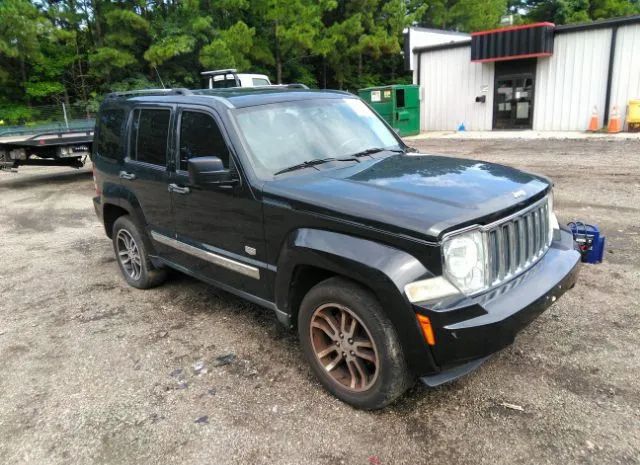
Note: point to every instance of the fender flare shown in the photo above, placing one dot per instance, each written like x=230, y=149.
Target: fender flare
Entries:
x=118, y=195
x=383, y=269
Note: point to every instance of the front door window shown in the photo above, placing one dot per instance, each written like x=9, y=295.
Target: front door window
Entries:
x=200, y=137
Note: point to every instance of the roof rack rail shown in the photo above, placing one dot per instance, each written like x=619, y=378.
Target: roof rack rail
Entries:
x=295, y=85
x=143, y=92
x=219, y=71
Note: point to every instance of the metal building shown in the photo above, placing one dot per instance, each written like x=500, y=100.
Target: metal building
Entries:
x=536, y=76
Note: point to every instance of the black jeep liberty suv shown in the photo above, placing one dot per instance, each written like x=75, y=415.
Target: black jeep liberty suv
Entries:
x=392, y=265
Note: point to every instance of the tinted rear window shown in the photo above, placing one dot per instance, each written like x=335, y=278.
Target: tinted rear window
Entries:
x=149, y=136
x=108, y=141
x=223, y=83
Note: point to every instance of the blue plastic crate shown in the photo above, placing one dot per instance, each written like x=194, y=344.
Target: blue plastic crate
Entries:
x=589, y=240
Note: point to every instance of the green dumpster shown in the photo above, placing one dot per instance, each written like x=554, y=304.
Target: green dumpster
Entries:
x=398, y=105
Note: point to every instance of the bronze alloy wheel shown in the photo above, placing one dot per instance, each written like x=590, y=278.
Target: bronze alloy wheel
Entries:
x=344, y=347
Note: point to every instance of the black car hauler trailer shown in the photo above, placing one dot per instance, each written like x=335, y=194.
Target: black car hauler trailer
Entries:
x=65, y=143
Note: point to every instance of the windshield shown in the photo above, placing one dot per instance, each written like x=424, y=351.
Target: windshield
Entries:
x=284, y=134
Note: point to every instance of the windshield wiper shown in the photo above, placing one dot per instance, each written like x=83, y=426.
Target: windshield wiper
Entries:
x=353, y=157
x=317, y=161
x=375, y=150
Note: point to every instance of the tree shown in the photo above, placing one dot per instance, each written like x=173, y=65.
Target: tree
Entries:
x=230, y=49
x=71, y=51
x=573, y=11
x=472, y=15
x=22, y=28
x=290, y=28
x=121, y=46
x=464, y=15
x=602, y=9
x=178, y=31
x=338, y=45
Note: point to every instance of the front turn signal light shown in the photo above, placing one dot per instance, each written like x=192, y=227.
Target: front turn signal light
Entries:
x=427, y=329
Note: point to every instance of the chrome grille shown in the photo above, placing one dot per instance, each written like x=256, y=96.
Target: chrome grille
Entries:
x=517, y=242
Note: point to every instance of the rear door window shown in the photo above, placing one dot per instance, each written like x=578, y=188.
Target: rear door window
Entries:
x=108, y=141
x=150, y=136
x=200, y=136
x=260, y=82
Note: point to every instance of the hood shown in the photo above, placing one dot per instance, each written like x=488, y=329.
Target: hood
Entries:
x=425, y=195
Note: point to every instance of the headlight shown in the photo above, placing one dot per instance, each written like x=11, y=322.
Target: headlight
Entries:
x=464, y=261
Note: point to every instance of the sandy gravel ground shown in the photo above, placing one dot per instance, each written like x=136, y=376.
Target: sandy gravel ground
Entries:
x=95, y=372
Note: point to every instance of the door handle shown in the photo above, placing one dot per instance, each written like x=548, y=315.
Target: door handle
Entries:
x=178, y=189
x=128, y=176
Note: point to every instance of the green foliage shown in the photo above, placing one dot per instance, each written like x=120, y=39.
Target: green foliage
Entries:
x=21, y=29
x=44, y=88
x=476, y=16
x=127, y=20
x=132, y=83
x=15, y=114
x=76, y=51
x=575, y=11
x=106, y=58
x=169, y=47
x=466, y=15
x=230, y=50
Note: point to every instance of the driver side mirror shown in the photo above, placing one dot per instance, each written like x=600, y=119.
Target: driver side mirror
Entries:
x=205, y=171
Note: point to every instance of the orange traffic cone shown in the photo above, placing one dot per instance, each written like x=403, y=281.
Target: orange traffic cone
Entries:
x=593, y=122
x=615, y=123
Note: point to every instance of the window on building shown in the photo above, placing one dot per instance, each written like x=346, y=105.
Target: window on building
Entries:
x=400, y=98
x=200, y=137
x=149, y=136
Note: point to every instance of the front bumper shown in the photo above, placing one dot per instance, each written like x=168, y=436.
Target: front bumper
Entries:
x=469, y=329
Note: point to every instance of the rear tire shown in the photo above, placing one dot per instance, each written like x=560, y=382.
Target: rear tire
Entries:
x=351, y=345
x=132, y=255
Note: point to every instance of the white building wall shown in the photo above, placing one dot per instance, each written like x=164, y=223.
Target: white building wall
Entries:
x=449, y=84
x=625, y=82
x=424, y=37
x=572, y=81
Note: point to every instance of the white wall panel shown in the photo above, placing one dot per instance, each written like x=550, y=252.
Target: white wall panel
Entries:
x=572, y=81
x=424, y=37
x=625, y=82
x=450, y=84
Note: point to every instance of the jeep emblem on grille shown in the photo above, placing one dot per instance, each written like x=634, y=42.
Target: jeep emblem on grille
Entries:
x=519, y=193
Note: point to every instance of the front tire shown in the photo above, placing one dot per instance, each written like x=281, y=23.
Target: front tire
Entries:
x=351, y=345
x=132, y=255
